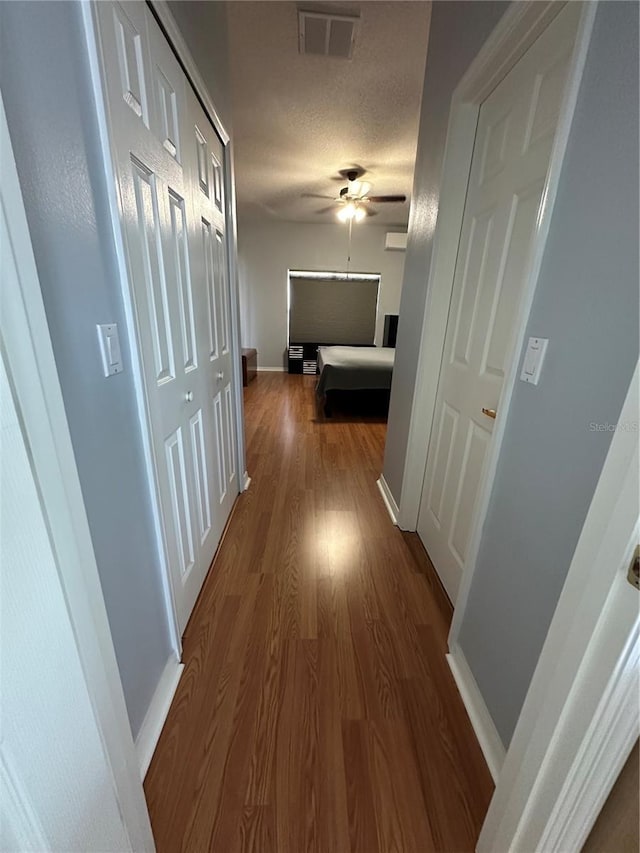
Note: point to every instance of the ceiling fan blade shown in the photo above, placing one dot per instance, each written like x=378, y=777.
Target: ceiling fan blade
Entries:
x=370, y=212
x=379, y=199
x=327, y=209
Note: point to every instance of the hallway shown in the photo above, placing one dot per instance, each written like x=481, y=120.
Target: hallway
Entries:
x=316, y=711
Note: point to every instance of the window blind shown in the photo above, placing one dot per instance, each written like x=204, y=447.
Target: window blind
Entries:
x=333, y=311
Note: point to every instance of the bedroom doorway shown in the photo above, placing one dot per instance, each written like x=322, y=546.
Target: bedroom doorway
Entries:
x=329, y=309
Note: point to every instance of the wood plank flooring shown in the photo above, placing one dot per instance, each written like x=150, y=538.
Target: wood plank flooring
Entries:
x=316, y=712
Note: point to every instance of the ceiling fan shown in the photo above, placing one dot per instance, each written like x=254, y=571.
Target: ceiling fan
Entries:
x=354, y=199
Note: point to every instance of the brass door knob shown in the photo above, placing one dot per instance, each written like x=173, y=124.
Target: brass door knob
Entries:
x=490, y=413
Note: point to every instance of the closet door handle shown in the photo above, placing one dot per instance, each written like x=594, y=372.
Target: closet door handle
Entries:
x=490, y=413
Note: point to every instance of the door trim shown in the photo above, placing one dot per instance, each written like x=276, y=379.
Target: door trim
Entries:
x=521, y=24
x=177, y=44
x=28, y=352
x=580, y=717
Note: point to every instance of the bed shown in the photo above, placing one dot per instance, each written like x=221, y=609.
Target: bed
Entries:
x=353, y=369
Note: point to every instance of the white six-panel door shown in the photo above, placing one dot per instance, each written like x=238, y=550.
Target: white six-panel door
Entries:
x=212, y=271
x=169, y=164
x=515, y=133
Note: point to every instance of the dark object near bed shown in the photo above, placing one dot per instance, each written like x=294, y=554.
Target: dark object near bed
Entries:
x=303, y=358
x=349, y=369
x=390, y=330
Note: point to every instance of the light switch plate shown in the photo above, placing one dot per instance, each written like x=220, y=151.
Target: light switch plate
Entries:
x=533, y=358
x=110, y=348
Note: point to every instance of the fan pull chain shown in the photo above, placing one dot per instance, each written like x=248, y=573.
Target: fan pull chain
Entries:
x=349, y=250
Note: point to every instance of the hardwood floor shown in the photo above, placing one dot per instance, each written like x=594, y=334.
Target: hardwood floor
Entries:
x=316, y=711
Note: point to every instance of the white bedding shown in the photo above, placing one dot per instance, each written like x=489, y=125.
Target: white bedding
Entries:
x=355, y=368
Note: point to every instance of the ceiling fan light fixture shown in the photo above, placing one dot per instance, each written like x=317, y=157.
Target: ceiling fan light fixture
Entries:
x=351, y=211
x=347, y=212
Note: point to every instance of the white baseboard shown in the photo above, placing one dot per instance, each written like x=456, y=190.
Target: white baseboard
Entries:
x=484, y=727
x=246, y=481
x=389, y=501
x=270, y=369
x=157, y=714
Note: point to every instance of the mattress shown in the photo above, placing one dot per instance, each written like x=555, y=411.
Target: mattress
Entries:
x=354, y=368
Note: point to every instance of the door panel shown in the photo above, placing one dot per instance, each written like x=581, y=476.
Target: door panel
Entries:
x=169, y=168
x=230, y=436
x=180, y=501
x=524, y=210
x=475, y=445
x=447, y=430
x=210, y=266
x=201, y=159
x=515, y=133
x=147, y=229
x=180, y=258
x=167, y=104
x=221, y=293
x=130, y=51
x=201, y=475
x=218, y=183
x=219, y=446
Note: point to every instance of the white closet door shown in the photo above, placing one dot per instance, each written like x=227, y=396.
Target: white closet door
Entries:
x=514, y=138
x=208, y=239
x=152, y=136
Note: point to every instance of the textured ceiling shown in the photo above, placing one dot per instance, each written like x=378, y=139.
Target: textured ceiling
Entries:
x=299, y=119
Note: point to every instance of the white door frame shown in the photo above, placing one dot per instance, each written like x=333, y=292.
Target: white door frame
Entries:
x=161, y=11
x=29, y=357
x=521, y=24
x=581, y=716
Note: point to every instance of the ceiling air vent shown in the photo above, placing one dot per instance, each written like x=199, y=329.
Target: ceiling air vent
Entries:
x=326, y=35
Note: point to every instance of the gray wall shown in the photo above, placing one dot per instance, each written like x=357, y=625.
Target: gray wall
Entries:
x=204, y=27
x=457, y=32
x=267, y=250
x=586, y=303
x=45, y=86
